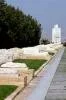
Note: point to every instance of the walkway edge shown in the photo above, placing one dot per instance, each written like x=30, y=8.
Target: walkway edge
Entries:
x=46, y=79
x=42, y=81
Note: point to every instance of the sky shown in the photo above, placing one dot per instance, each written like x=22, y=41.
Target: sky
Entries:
x=47, y=12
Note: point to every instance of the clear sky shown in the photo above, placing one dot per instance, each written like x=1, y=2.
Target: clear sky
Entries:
x=47, y=12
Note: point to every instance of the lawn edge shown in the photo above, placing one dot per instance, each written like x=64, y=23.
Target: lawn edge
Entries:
x=14, y=94
x=19, y=89
x=43, y=65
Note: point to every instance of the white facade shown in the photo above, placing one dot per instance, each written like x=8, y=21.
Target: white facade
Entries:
x=56, y=34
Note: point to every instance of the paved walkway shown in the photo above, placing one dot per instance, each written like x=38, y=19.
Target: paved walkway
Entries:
x=38, y=88
x=57, y=89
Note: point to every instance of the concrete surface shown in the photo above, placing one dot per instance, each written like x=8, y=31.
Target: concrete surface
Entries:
x=37, y=89
x=57, y=89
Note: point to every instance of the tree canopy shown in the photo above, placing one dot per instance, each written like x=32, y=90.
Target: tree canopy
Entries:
x=16, y=28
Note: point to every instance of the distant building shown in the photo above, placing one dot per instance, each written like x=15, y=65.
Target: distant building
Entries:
x=56, y=34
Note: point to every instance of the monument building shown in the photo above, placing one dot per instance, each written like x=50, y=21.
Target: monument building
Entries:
x=56, y=34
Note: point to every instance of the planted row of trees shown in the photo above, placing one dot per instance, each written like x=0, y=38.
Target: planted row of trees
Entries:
x=16, y=28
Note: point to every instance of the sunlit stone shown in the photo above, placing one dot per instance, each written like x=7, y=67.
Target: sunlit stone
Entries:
x=13, y=68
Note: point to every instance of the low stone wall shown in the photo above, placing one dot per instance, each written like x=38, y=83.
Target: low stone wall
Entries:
x=29, y=56
x=7, y=55
x=21, y=78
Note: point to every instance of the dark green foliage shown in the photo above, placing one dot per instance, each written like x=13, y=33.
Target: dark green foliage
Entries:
x=1, y=2
x=16, y=28
x=6, y=90
x=31, y=63
x=45, y=41
x=64, y=44
x=51, y=53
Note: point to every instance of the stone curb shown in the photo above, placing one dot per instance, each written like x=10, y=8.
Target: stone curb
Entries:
x=42, y=66
x=44, y=79
x=19, y=89
x=14, y=94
